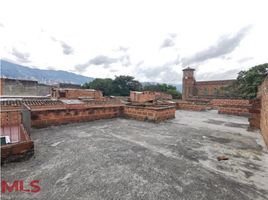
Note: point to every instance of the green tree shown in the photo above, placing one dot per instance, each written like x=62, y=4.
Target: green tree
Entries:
x=169, y=89
x=105, y=85
x=247, y=82
x=122, y=85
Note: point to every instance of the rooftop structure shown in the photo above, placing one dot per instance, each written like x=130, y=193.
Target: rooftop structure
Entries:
x=129, y=159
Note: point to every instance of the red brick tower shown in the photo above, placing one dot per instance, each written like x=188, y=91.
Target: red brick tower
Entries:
x=188, y=82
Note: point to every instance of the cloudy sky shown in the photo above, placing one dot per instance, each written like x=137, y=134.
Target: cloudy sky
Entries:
x=151, y=40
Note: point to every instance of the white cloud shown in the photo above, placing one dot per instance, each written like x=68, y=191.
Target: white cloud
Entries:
x=131, y=32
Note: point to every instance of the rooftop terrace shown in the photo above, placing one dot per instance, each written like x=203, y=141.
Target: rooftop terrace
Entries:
x=128, y=159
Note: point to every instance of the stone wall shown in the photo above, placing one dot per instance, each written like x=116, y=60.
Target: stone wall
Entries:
x=150, y=113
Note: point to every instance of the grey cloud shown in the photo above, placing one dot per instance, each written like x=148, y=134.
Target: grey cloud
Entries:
x=104, y=61
x=113, y=70
x=230, y=74
x=165, y=72
x=242, y=60
x=2, y=25
x=66, y=49
x=225, y=45
x=101, y=60
x=20, y=56
x=169, y=41
x=124, y=49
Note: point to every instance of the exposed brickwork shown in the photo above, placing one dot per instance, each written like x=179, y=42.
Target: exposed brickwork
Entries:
x=264, y=110
x=201, y=89
x=22, y=146
x=17, y=151
x=233, y=110
x=154, y=114
x=188, y=105
x=71, y=93
x=255, y=114
x=79, y=113
x=2, y=86
x=9, y=118
x=229, y=102
x=237, y=107
x=148, y=96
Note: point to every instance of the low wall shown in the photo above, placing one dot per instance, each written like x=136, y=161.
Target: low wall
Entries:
x=229, y=102
x=234, y=110
x=75, y=113
x=10, y=117
x=18, y=151
x=152, y=113
x=255, y=114
x=186, y=105
x=263, y=90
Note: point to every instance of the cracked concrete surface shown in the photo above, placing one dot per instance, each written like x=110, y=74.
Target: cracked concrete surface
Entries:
x=128, y=159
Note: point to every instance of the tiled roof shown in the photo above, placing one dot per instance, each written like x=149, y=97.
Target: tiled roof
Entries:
x=30, y=102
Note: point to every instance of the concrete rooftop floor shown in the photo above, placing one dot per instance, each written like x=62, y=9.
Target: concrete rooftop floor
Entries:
x=128, y=159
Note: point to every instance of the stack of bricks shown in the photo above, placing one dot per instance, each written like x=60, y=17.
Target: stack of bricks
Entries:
x=149, y=113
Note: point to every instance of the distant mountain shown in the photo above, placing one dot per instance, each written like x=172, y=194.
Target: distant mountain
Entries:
x=11, y=70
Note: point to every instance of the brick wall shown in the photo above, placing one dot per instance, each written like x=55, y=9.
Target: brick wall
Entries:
x=146, y=96
x=239, y=107
x=10, y=117
x=79, y=113
x=155, y=114
x=188, y=105
x=70, y=93
x=211, y=89
x=264, y=110
x=2, y=86
x=255, y=114
x=229, y=102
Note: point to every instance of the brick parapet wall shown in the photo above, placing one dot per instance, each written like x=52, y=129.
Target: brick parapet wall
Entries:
x=230, y=102
x=189, y=105
x=255, y=114
x=20, y=150
x=146, y=96
x=264, y=110
x=10, y=117
x=43, y=118
x=150, y=113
